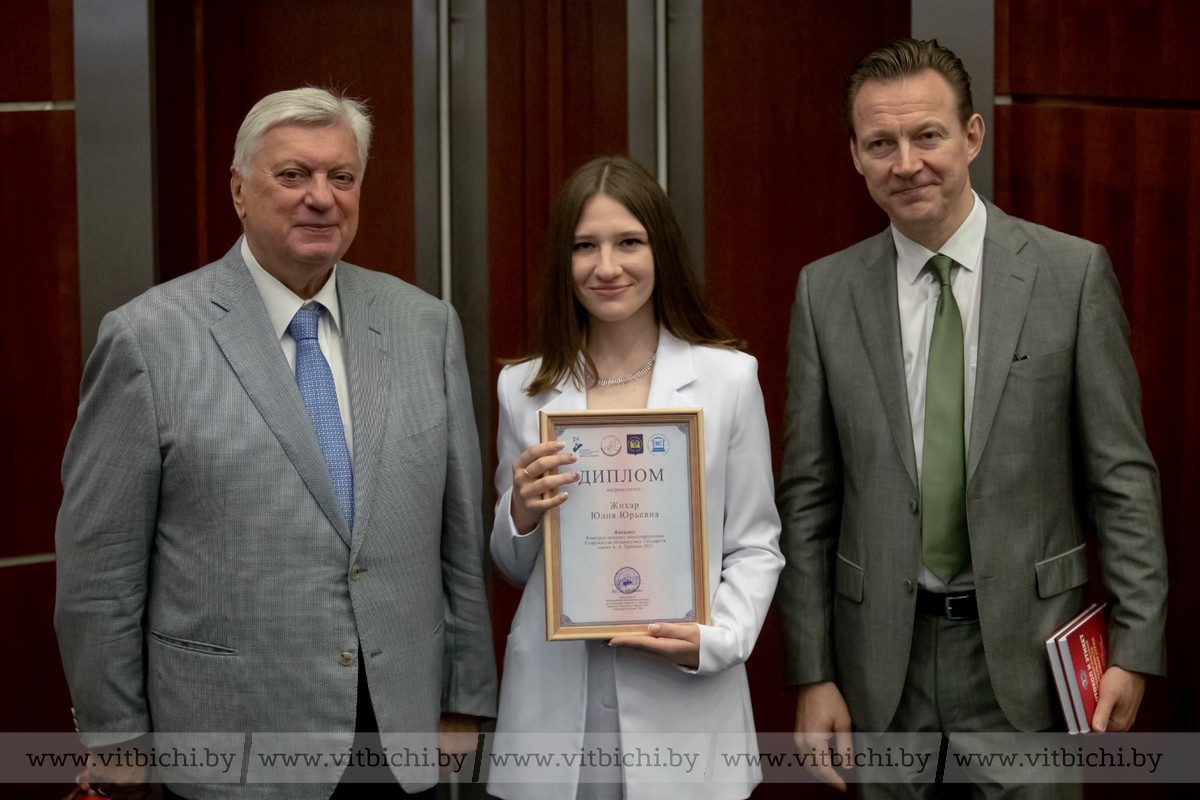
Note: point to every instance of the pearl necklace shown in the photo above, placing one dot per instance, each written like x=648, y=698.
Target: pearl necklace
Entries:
x=636, y=375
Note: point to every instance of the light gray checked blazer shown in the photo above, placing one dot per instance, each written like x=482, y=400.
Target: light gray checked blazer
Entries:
x=207, y=580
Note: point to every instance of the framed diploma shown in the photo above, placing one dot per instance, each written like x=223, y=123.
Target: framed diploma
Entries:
x=629, y=546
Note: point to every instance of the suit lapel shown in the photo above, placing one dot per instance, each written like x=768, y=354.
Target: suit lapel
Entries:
x=878, y=313
x=1007, y=287
x=566, y=397
x=370, y=382
x=248, y=342
x=673, y=370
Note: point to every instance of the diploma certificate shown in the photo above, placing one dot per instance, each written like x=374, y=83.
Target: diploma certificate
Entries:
x=629, y=546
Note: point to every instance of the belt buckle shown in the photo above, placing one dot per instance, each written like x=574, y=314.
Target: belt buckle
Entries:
x=948, y=606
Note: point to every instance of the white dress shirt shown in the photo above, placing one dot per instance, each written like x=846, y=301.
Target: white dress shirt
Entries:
x=282, y=304
x=917, y=293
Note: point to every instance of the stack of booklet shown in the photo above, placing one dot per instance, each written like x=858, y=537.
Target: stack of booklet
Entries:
x=1078, y=656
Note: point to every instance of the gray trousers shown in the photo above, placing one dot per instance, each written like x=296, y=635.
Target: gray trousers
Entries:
x=947, y=691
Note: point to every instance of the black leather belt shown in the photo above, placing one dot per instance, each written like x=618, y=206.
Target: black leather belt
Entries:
x=953, y=605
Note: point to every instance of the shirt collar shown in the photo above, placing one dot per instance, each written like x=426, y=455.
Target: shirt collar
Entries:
x=965, y=246
x=282, y=303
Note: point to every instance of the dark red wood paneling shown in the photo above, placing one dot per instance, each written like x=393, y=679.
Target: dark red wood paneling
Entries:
x=35, y=697
x=39, y=342
x=62, y=49
x=594, y=85
x=36, y=56
x=551, y=108
x=1080, y=48
x=1122, y=177
x=780, y=187
x=1116, y=164
x=181, y=165
x=24, y=51
x=39, y=352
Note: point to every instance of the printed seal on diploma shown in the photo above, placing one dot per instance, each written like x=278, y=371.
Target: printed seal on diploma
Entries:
x=627, y=580
x=630, y=545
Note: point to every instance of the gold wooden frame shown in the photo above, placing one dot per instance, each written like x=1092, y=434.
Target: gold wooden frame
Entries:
x=690, y=421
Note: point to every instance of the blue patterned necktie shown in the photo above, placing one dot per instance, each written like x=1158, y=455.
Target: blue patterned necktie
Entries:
x=315, y=380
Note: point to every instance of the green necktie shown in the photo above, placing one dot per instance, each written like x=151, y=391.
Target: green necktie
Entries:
x=944, y=543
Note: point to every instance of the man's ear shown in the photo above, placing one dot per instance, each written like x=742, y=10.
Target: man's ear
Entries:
x=976, y=130
x=854, y=155
x=237, y=189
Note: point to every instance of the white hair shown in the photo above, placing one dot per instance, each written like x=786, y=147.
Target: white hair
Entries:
x=308, y=106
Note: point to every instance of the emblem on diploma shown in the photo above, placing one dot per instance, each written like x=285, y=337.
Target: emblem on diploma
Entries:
x=627, y=580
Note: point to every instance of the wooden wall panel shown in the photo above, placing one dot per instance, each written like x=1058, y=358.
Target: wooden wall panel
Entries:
x=39, y=704
x=556, y=98
x=216, y=59
x=595, y=70
x=1100, y=142
x=1113, y=175
x=39, y=352
x=780, y=191
x=780, y=187
x=181, y=168
x=37, y=61
x=1080, y=48
x=39, y=345
x=35, y=697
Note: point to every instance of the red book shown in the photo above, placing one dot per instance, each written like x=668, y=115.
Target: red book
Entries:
x=1078, y=657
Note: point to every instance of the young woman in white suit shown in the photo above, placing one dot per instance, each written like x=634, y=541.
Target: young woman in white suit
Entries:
x=624, y=325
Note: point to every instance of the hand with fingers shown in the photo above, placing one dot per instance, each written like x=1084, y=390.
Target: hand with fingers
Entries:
x=116, y=778
x=1120, y=697
x=822, y=728
x=537, y=483
x=678, y=642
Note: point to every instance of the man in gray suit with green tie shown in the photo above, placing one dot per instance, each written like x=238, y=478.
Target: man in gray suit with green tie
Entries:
x=962, y=405
x=271, y=520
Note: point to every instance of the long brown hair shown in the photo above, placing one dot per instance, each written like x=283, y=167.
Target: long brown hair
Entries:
x=679, y=304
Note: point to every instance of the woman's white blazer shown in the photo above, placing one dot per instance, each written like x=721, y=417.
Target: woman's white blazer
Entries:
x=706, y=711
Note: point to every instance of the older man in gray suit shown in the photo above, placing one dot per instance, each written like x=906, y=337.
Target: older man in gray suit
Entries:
x=271, y=521
x=961, y=395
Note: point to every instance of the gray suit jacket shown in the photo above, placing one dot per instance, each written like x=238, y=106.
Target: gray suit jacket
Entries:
x=207, y=580
x=1056, y=441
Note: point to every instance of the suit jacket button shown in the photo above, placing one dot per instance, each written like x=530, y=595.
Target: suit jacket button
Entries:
x=912, y=505
x=354, y=572
x=346, y=658
x=908, y=586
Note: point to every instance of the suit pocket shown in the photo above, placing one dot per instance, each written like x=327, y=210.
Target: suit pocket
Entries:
x=1048, y=377
x=203, y=648
x=848, y=578
x=1062, y=572
x=1044, y=365
x=196, y=686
